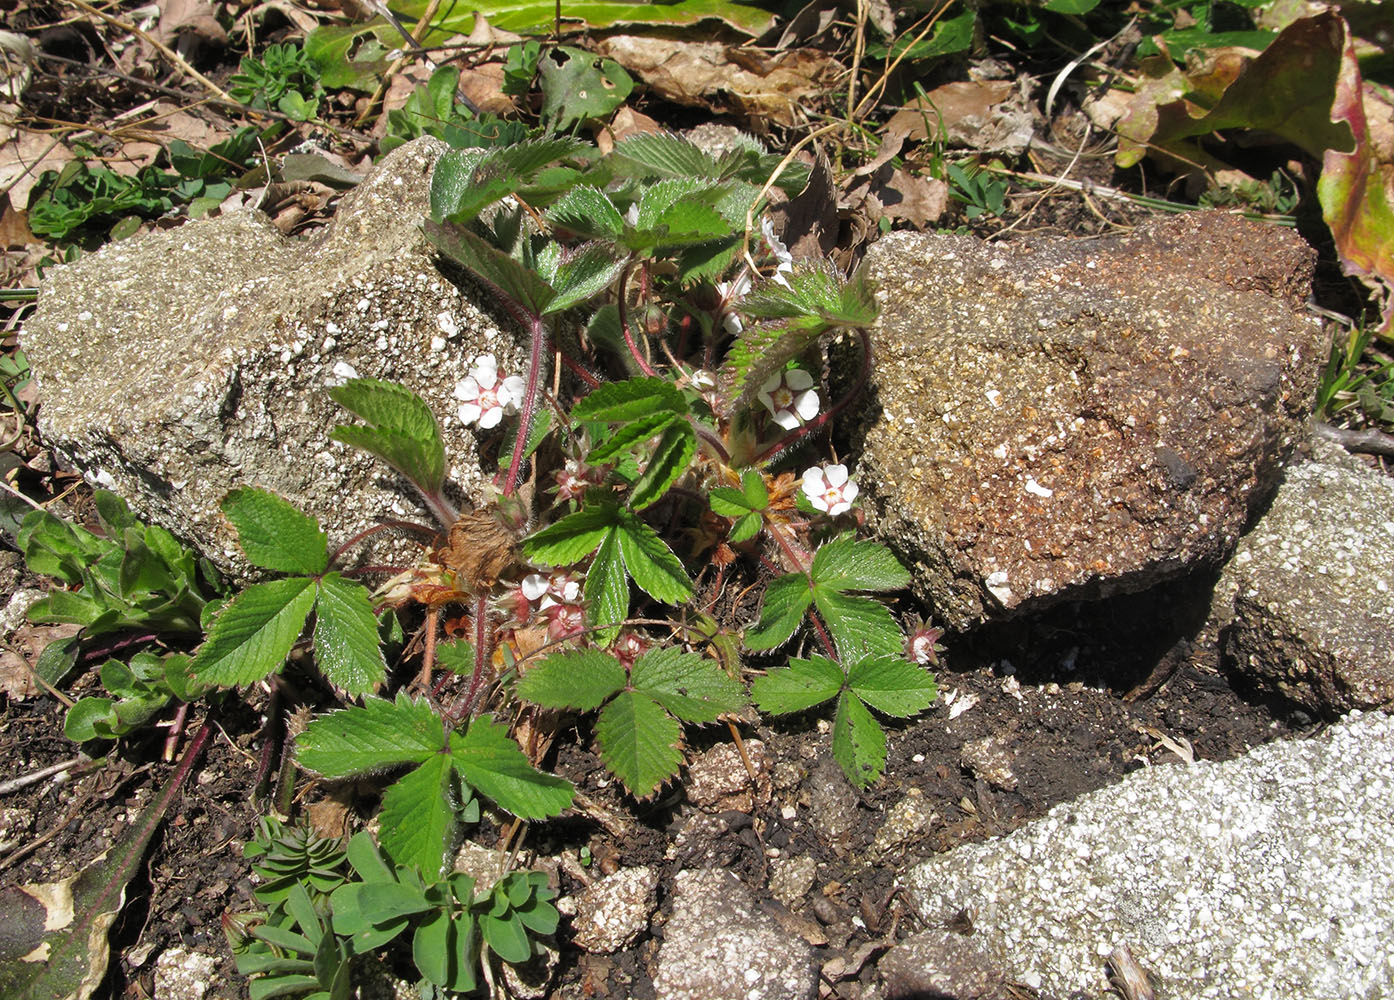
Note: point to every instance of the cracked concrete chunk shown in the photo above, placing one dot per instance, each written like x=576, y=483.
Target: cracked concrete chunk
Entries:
x=719, y=944
x=1058, y=419
x=614, y=911
x=179, y=364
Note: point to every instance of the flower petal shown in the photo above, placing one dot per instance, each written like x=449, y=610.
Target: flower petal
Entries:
x=836, y=475
x=511, y=391
x=798, y=379
x=786, y=419
x=491, y=417
x=806, y=406
x=534, y=585
x=849, y=492
x=467, y=389
x=470, y=412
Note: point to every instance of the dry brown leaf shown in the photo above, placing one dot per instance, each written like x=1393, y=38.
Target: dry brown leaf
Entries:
x=296, y=15
x=987, y=115
x=809, y=220
x=917, y=200
x=724, y=78
x=24, y=155
x=626, y=122
x=14, y=226
x=189, y=17
x=482, y=85
x=478, y=550
x=22, y=653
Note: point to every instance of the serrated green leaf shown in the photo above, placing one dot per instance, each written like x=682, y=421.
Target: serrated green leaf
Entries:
x=346, y=636
x=456, y=656
x=815, y=296
x=859, y=742
x=620, y=402
x=583, y=275
x=628, y=435
x=489, y=761
x=658, y=198
x=254, y=632
x=654, y=567
x=891, y=684
x=274, y=535
x=587, y=211
x=464, y=182
x=401, y=430
x=859, y=625
x=380, y=734
x=417, y=820
x=786, y=599
x=506, y=275
x=759, y=353
x=847, y=564
x=688, y=685
x=638, y=742
x=757, y=494
x=665, y=154
x=670, y=459
x=746, y=528
x=573, y=537
x=607, y=590
x=797, y=687
x=729, y=502
x=580, y=680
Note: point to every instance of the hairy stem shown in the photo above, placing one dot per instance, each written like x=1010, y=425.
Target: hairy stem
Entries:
x=644, y=366
x=537, y=332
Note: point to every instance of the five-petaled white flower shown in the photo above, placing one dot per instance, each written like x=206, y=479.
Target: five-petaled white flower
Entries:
x=790, y=397
x=828, y=488
x=485, y=398
x=780, y=251
x=731, y=293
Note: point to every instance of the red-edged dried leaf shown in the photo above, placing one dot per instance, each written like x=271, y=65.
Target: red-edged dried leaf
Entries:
x=1356, y=189
x=478, y=550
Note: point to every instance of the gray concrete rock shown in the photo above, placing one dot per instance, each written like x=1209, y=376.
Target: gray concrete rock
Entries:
x=717, y=779
x=183, y=975
x=1062, y=419
x=613, y=912
x=1270, y=876
x=176, y=365
x=939, y=963
x=721, y=944
x=1308, y=599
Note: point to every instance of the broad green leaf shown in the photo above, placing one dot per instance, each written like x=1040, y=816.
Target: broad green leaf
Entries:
x=54, y=547
x=464, y=182
x=950, y=35
x=346, y=636
x=380, y=734
x=892, y=685
x=638, y=742
x=254, y=632
x=786, y=599
x=665, y=154
x=620, y=402
x=587, y=211
x=88, y=719
x=573, y=537
x=275, y=535
x=858, y=624
x=489, y=761
x=859, y=742
x=746, y=528
x=847, y=564
x=629, y=435
x=654, y=567
x=504, y=274
x=417, y=819
x=578, y=85
x=580, y=680
x=583, y=275
x=401, y=429
x=506, y=937
x=607, y=590
x=670, y=459
x=1071, y=6
x=379, y=901
x=799, y=686
x=430, y=947
x=352, y=55
x=690, y=686
x=730, y=502
x=757, y=494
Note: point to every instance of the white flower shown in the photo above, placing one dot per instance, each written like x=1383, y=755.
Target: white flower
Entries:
x=632, y=216
x=703, y=380
x=790, y=396
x=828, y=488
x=485, y=399
x=731, y=293
x=780, y=251
x=534, y=585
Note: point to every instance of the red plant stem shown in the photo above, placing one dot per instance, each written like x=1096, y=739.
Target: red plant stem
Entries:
x=481, y=656
x=825, y=417
x=537, y=331
x=579, y=370
x=384, y=526
x=644, y=366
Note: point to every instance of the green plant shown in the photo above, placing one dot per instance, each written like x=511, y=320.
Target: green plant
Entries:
x=983, y=191
x=284, y=78
x=1358, y=381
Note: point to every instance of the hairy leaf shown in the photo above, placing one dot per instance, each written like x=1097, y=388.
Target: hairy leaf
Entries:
x=665, y=154
x=401, y=429
x=638, y=742
x=580, y=680
x=607, y=590
x=858, y=625
x=488, y=760
x=573, y=537
x=628, y=435
x=620, y=402
x=670, y=459
x=799, y=686
x=417, y=820
x=275, y=535
x=381, y=734
x=254, y=633
x=892, y=685
x=688, y=685
x=587, y=211
x=859, y=742
x=508, y=276
x=847, y=564
x=582, y=275
x=650, y=561
x=786, y=599
x=346, y=636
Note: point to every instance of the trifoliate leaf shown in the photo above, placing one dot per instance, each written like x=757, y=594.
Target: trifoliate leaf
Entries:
x=688, y=685
x=254, y=633
x=509, y=277
x=664, y=154
x=274, y=535
x=401, y=429
x=638, y=742
x=629, y=435
x=583, y=275
x=379, y=735
x=489, y=761
x=892, y=685
x=654, y=567
x=607, y=590
x=859, y=742
x=669, y=460
x=573, y=537
x=786, y=599
x=577, y=680
x=417, y=821
x=799, y=686
x=859, y=625
x=587, y=211
x=847, y=564
x=620, y=402
x=346, y=636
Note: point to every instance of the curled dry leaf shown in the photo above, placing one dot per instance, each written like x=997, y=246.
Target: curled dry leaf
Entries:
x=991, y=116
x=724, y=78
x=478, y=550
x=182, y=19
